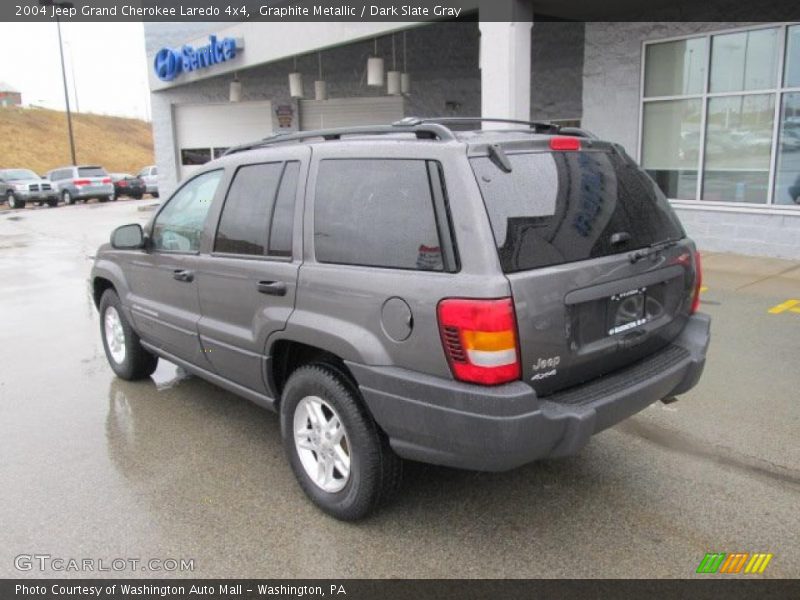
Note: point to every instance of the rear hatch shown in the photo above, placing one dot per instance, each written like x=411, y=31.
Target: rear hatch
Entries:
x=92, y=178
x=601, y=272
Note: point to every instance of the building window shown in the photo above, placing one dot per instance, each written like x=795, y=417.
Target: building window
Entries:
x=721, y=116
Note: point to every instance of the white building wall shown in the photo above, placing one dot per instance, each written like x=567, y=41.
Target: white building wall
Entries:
x=611, y=105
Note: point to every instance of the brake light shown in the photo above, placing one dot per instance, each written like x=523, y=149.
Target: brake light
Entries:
x=562, y=143
x=480, y=339
x=122, y=183
x=81, y=181
x=107, y=180
x=698, y=282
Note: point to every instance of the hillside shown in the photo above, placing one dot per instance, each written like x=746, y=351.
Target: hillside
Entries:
x=36, y=138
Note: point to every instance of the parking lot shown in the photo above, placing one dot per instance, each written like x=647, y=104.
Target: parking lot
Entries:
x=174, y=467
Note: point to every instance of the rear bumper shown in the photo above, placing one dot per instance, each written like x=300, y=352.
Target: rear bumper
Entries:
x=445, y=422
x=95, y=192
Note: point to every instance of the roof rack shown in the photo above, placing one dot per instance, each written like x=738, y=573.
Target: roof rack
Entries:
x=577, y=132
x=424, y=128
x=537, y=126
x=427, y=131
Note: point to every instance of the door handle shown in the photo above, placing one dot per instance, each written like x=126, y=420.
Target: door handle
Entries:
x=183, y=275
x=273, y=288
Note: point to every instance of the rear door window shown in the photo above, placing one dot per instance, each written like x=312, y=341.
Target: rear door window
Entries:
x=561, y=207
x=282, y=226
x=376, y=212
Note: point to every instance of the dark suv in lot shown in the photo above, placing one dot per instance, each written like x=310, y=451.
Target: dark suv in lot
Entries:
x=477, y=299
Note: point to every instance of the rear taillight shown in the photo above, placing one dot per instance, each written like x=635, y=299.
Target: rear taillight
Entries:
x=480, y=339
x=107, y=180
x=698, y=282
x=562, y=143
x=122, y=183
x=81, y=182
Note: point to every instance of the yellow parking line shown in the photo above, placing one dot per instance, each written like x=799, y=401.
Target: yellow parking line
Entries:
x=784, y=306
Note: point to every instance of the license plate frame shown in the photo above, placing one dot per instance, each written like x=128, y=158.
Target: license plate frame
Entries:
x=626, y=311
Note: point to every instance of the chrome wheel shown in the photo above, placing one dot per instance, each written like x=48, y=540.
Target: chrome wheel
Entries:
x=67, y=198
x=115, y=335
x=12, y=200
x=321, y=443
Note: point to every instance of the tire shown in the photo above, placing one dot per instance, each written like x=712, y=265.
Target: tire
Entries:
x=374, y=470
x=52, y=202
x=13, y=201
x=67, y=198
x=154, y=194
x=104, y=198
x=138, y=197
x=128, y=358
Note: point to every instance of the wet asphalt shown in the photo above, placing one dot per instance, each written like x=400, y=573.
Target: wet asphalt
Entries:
x=95, y=467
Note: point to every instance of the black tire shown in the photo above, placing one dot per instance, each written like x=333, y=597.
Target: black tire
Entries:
x=154, y=194
x=67, y=198
x=52, y=202
x=104, y=198
x=13, y=202
x=138, y=196
x=138, y=362
x=375, y=470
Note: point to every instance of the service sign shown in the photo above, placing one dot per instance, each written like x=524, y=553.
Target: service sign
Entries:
x=169, y=63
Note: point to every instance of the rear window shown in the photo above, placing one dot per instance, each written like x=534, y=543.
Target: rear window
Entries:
x=560, y=207
x=92, y=172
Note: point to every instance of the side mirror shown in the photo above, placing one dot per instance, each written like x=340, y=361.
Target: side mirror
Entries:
x=128, y=237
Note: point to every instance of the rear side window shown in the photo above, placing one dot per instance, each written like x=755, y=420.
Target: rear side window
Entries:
x=561, y=207
x=258, y=207
x=91, y=172
x=376, y=212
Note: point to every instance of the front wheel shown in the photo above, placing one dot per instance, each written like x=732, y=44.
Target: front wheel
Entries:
x=124, y=351
x=67, y=198
x=13, y=201
x=341, y=459
x=52, y=202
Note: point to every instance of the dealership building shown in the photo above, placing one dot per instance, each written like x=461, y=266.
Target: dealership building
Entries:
x=710, y=109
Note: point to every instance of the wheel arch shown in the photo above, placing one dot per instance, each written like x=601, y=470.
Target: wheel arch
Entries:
x=288, y=355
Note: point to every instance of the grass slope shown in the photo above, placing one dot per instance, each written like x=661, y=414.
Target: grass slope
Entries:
x=36, y=138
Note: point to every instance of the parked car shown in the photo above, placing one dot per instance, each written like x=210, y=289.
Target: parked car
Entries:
x=20, y=186
x=127, y=185
x=150, y=177
x=82, y=183
x=472, y=299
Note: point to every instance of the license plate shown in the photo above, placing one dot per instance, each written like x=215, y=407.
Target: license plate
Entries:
x=626, y=310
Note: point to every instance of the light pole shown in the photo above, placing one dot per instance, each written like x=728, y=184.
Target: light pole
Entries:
x=74, y=80
x=62, y=4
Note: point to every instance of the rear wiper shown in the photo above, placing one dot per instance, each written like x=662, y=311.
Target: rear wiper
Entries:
x=651, y=249
x=499, y=158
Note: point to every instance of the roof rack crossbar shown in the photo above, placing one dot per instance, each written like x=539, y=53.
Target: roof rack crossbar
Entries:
x=421, y=130
x=577, y=132
x=537, y=126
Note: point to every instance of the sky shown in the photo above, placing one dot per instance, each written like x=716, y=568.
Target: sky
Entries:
x=108, y=61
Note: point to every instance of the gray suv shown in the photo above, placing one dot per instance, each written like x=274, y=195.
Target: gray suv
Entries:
x=476, y=299
x=82, y=183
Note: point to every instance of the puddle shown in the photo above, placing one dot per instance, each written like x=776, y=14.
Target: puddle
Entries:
x=167, y=376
